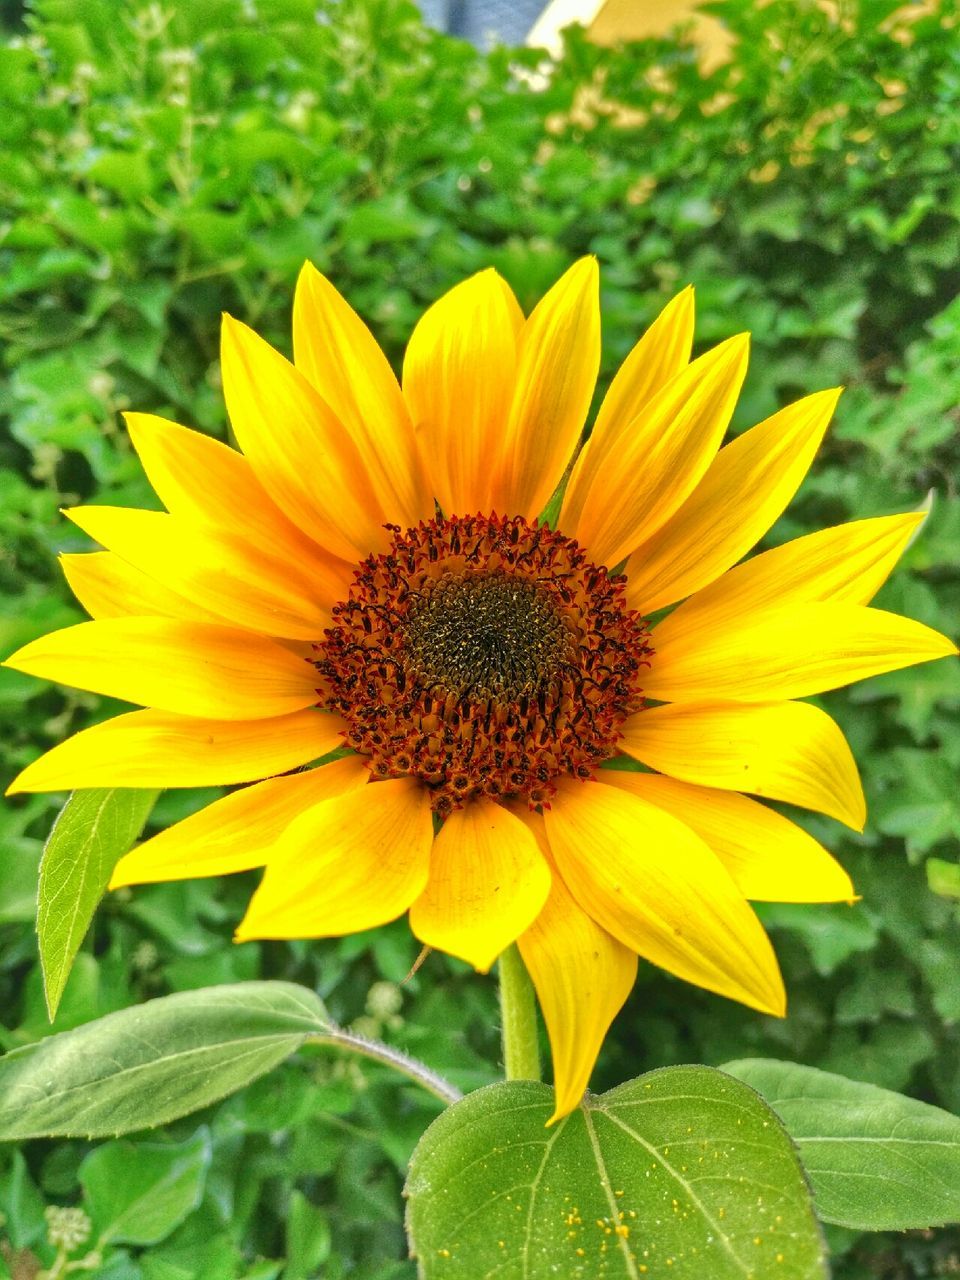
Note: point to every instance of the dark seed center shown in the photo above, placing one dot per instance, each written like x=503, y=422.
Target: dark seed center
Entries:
x=485, y=635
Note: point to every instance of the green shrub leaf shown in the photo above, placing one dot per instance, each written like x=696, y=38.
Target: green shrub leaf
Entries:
x=151, y=1064
x=684, y=1172
x=92, y=832
x=138, y=1192
x=877, y=1161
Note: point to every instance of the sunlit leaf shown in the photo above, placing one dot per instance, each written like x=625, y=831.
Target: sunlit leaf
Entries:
x=876, y=1160
x=683, y=1173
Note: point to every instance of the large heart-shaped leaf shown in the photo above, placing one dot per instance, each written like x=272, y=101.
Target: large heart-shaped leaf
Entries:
x=683, y=1173
x=92, y=832
x=877, y=1161
x=153, y=1063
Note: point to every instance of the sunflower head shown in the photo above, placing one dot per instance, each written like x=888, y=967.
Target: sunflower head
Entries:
x=484, y=656
x=368, y=586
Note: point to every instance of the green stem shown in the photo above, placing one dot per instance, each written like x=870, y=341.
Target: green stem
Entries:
x=518, y=1018
x=375, y=1050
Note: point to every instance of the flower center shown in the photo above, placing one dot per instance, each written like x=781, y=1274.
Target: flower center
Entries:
x=485, y=656
x=486, y=636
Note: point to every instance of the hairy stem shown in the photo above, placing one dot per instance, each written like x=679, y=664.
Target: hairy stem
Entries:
x=412, y=1068
x=518, y=1018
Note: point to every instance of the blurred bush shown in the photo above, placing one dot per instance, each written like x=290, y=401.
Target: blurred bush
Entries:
x=161, y=163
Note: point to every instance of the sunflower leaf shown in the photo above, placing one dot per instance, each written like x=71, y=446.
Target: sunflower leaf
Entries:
x=877, y=1161
x=92, y=832
x=155, y=1062
x=684, y=1171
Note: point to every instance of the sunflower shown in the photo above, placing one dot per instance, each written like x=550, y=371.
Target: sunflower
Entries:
x=504, y=745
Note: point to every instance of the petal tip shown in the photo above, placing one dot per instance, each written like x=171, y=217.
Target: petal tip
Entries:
x=15, y=659
x=774, y=1000
x=118, y=877
x=586, y=269
x=563, y=1105
x=855, y=816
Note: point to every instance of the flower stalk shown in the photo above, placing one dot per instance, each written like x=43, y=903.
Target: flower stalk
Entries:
x=518, y=1018
x=401, y=1062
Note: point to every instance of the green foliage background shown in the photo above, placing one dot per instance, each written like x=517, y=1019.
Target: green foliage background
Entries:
x=160, y=163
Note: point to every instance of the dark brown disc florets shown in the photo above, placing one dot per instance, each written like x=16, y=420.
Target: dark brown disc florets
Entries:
x=484, y=656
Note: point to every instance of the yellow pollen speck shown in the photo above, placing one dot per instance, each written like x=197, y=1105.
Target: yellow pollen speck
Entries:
x=581, y=1253
x=757, y=1240
x=779, y=1257
x=444, y=1253
x=623, y=1230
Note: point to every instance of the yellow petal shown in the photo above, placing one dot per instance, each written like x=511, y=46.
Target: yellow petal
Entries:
x=193, y=668
x=459, y=374
x=221, y=570
x=487, y=882
x=659, y=460
x=339, y=355
x=201, y=479
x=786, y=652
x=160, y=749
x=662, y=352
x=782, y=751
x=559, y=355
x=744, y=491
x=298, y=448
x=582, y=976
x=108, y=587
x=846, y=564
x=650, y=881
x=239, y=831
x=769, y=857
x=346, y=865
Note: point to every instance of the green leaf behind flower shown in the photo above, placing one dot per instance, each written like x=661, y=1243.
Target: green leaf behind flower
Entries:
x=151, y=1064
x=877, y=1161
x=137, y=1193
x=684, y=1172
x=92, y=832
